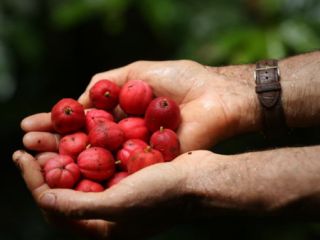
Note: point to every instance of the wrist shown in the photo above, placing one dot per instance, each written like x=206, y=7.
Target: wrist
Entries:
x=274, y=182
x=220, y=186
x=245, y=106
x=300, y=82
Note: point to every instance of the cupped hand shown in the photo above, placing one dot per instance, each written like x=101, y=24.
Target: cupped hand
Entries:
x=213, y=107
x=142, y=204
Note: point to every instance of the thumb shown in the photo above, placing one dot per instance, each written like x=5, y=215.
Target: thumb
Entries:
x=118, y=76
x=134, y=196
x=71, y=203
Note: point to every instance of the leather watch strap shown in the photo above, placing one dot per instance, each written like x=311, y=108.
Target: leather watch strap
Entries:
x=268, y=88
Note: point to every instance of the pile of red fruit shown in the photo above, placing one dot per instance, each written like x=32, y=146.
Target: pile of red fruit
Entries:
x=97, y=150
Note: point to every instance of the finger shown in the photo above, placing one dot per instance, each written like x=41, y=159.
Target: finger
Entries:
x=41, y=141
x=101, y=229
x=97, y=229
x=197, y=132
x=37, y=122
x=92, y=228
x=43, y=157
x=127, y=198
x=75, y=204
x=190, y=127
x=118, y=76
x=195, y=122
x=31, y=172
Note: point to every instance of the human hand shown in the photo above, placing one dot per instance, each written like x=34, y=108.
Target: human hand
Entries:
x=129, y=209
x=195, y=184
x=213, y=105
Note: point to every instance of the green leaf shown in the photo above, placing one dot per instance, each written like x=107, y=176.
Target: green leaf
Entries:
x=299, y=36
x=69, y=13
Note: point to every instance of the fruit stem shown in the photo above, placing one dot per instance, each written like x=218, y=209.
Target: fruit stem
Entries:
x=68, y=110
x=107, y=94
x=148, y=149
x=164, y=103
x=117, y=162
x=161, y=129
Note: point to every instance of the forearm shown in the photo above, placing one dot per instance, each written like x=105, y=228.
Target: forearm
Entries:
x=284, y=179
x=300, y=80
x=275, y=182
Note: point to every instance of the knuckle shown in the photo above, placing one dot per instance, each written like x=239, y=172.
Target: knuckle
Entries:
x=186, y=62
x=19, y=159
x=96, y=77
x=140, y=63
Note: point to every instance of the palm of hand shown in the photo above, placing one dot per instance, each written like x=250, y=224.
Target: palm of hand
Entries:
x=121, y=211
x=199, y=93
x=204, y=118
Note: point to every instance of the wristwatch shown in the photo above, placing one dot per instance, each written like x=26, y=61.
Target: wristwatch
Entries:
x=268, y=89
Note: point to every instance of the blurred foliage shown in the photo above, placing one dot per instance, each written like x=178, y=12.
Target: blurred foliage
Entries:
x=211, y=32
x=50, y=47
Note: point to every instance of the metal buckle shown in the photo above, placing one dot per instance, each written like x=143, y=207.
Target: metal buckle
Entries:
x=265, y=68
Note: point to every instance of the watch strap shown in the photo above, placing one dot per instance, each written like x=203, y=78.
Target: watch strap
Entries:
x=268, y=89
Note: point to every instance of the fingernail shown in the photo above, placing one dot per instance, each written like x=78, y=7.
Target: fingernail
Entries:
x=27, y=138
x=16, y=159
x=16, y=155
x=48, y=199
x=25, y=123
x=83, y=99
x=80, y=99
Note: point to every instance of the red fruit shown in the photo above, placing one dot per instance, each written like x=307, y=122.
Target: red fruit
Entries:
x=134, y=128
x=73, y=144
x=61, y=172
x=162, y=112
x=67, y=116
x=104, y=95
x=167, y=142
x=107, y=134
x=86, y=185
x=117, y=178
x=135, y=97
x=129, y=147
x=94, y=115
x=96, y=163
x=143, y=158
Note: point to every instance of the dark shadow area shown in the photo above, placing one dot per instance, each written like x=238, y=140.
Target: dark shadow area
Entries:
x=48, y=60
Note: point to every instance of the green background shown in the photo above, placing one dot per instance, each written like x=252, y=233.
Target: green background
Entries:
x=49, y=49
